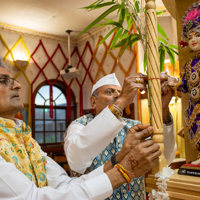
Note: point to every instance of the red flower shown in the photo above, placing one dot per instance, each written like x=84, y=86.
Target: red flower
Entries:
x=182, y=44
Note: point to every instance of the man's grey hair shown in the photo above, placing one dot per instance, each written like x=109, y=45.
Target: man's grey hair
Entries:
x=95, y=93
x=3, y=65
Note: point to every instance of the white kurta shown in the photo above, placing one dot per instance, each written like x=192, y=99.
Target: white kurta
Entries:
x=84, y=143
x=15, y=185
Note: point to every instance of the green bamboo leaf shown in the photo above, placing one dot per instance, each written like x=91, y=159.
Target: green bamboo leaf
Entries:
x=114, y=23
x=118, y=11
x=98, y=19
x=137, y=6
x=93, y=6
x=173, y=46
x=122, y=16
x=144, y=10
x=118, y=34
x=124, y=34
x=168, y=46
x=127, y=40
x=90, y=6
x=121, y=43
x=162, y=58
x=162, y=40
x=100, y=1
x=123, y=49
x=105, y=38
x=171, y=57
x=127, y=15
x=129, y=23
x=132, y=42
x=135, y=39
x=117, y=24
x=175, y=52
x=161, y=31
x=159, y=12
x=145, y=60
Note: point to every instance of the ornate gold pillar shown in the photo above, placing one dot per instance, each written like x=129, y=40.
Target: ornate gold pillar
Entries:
x=154, y=72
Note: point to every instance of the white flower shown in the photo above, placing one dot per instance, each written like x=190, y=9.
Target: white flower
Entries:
x=150, y=196
x=162, y=178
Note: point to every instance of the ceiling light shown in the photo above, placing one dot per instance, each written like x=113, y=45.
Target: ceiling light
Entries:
x=39, y=13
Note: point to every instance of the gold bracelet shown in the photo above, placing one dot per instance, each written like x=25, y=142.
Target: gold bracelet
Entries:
x=115, y=110
x=175, y=89
x=177, y=85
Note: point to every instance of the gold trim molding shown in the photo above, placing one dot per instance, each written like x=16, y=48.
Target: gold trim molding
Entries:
x=75, y=41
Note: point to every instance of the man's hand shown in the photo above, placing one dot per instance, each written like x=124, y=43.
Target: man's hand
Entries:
x=166, y=90
x=167, y=94
x=137, y=155
x=172, y=81
x=134, y=136
x=137, y=163
x=139, y=81
x=129, y=89
x=141, y=159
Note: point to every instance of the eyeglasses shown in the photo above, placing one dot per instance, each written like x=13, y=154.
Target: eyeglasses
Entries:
x=7, y=80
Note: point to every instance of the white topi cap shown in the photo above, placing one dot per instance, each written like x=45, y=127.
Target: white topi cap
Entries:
x=106, y=80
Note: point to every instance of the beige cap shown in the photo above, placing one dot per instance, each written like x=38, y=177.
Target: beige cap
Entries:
x=106, y=80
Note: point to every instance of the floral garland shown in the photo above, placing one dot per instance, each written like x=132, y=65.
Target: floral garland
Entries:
x=162, y=178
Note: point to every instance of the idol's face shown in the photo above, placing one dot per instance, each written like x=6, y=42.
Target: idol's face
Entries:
x=194, y=41
x=10, y=103
x=106, y=95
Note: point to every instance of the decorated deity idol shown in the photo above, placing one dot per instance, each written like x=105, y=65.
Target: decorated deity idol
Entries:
x=190, y=75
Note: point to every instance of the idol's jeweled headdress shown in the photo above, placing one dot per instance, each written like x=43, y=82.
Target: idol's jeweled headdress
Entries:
x=190, y=21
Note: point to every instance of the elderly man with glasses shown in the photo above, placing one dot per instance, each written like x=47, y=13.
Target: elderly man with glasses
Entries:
x=26, y=172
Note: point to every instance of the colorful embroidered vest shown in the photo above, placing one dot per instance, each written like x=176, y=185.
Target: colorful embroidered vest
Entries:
x=18, y=147
x=137, y=186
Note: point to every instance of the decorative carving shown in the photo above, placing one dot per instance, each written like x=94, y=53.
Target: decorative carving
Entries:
x=154, y=70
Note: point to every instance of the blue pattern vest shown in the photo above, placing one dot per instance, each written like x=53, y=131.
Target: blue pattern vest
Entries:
x=137, y=186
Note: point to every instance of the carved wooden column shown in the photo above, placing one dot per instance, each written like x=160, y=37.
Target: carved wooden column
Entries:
x=154, y=72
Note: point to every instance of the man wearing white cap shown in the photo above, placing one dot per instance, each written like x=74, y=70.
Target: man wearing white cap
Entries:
x=102, y=138
x=27, y=173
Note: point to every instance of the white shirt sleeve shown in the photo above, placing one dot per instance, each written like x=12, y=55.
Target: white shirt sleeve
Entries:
x=169, y=143
x=15, y=185
x=84, y=143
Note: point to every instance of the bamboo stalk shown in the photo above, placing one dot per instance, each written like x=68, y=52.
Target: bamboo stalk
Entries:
x=154, y=84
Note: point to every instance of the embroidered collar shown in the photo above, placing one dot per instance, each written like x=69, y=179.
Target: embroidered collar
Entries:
x=18, y=122
x=196, y=55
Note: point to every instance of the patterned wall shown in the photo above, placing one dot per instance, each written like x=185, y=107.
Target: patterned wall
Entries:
x=46, y=59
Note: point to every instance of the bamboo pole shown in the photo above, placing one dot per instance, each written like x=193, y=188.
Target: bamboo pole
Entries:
x=154, y=83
